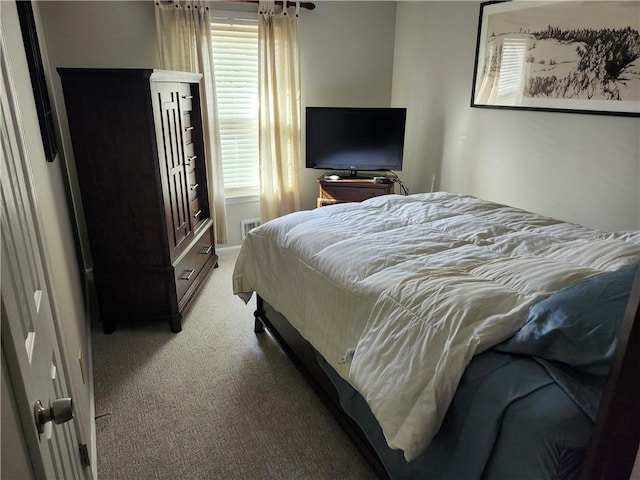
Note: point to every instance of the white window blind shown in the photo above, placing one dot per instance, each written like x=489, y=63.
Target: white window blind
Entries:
x=235, y=52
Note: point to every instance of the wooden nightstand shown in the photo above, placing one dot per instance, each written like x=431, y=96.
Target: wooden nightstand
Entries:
x=350, y=190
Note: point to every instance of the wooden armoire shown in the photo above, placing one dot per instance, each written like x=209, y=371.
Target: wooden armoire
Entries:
x=139, y=155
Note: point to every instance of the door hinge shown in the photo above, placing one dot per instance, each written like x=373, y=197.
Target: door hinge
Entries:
x=84, y=455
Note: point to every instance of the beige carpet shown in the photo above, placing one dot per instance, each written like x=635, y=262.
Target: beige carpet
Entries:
x=215, y=401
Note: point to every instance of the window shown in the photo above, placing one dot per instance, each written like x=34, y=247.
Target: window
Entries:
x=235, y=53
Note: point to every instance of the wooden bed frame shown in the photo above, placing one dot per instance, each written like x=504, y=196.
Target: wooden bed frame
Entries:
x=616, y=435
x=303, y=356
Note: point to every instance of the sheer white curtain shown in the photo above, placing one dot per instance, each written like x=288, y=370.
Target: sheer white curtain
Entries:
x=184, y=38
x=279, y=130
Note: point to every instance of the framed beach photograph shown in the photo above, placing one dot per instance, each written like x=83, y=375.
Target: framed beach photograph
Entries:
x=569, y=56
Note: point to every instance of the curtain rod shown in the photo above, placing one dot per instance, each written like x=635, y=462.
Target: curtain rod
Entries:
x=305, y=5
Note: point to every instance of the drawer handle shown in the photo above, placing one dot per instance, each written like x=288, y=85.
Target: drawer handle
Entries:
x=193, y=187
x=207, y=250
x=187, y=97
x=186, y=275
x=197, y=214
x=188, y=129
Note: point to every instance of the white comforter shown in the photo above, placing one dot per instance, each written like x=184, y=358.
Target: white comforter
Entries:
x=398, y=293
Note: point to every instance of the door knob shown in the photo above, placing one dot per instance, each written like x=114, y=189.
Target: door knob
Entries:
x=60, y=411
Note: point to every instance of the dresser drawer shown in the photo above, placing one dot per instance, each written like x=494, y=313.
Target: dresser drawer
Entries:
x=186, y=97
x=188, y=153
x=187, y=128
x=352, y=193
x=187, y=122
x=196, y=212
x=187, y=135
x=193, y=186
x=187, y=269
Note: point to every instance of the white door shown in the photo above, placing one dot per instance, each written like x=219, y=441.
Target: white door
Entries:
x=28, y=333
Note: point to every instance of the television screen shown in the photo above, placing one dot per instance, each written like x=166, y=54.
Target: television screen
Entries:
x=351, y=138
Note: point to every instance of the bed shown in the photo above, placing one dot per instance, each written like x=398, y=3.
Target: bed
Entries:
x=455, y=337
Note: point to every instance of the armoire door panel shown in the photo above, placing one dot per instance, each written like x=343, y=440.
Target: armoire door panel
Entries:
x=180, y=210
x=174, y=162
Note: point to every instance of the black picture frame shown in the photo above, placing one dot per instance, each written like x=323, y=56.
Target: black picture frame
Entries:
x=38, y=81
x=567, y=56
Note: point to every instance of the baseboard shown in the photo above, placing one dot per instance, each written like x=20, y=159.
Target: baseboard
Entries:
x=231, y=250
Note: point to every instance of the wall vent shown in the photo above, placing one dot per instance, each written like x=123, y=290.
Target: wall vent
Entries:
x=247, y=225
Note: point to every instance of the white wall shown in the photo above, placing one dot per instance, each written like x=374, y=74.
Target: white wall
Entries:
x=100, y=34
x=576, y=167
x=346, y=59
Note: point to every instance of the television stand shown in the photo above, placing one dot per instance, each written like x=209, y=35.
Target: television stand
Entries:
x=353, y=174
x=350, y=189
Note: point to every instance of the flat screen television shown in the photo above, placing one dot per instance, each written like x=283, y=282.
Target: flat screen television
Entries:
x=355, y=138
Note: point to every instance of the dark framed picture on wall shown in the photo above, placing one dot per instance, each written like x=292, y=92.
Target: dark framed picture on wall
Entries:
x=569, y=56
x=38, y=81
